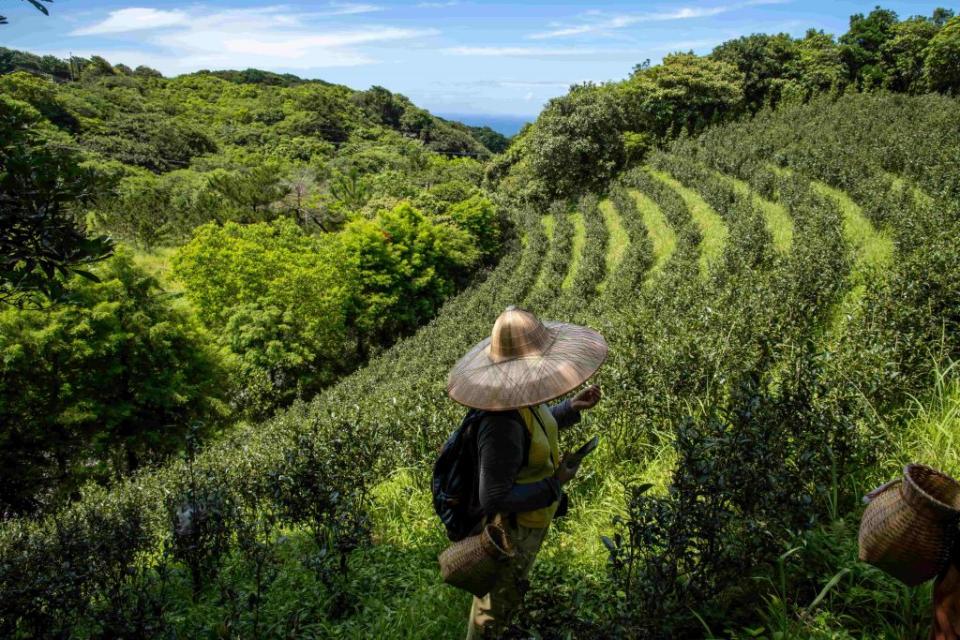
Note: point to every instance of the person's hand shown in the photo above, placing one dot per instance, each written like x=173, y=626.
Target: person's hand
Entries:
x=586, y=398
x=566, y=471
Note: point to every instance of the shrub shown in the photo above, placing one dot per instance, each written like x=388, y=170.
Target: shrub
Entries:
x=98, y=387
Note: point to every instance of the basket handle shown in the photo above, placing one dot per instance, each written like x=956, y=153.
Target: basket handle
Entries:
x=873, y=494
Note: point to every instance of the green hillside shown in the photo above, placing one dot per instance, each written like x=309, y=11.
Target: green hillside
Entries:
x=735, y=386
x=775, y=265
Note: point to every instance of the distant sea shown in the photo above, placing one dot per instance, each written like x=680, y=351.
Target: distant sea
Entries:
x=507, y=125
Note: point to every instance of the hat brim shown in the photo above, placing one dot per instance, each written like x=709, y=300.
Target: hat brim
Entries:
x=573, y=354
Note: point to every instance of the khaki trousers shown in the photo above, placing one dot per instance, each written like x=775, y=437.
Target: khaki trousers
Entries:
x=491, y=614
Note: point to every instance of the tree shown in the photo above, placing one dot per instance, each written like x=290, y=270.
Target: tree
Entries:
x=381, y=105
x=42, y=186
x=95, y=388
x=150, y=210
x=903, y=54
x=251, y=191
x=860, y=46
x=406, y=267
x=148, y=139
x=684, y=93
x=350, y=188
x=575, y=144
x=277, y=299
x=817, y=68
x=763, y=60
x=478, y=217
x=41, y=94
x=942, y=64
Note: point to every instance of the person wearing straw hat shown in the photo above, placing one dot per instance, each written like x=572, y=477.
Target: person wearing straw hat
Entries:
x=512, y=374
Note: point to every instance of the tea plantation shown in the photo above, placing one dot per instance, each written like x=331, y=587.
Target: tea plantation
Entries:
x=781, y=296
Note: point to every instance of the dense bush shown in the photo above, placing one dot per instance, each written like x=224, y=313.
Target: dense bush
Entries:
x=98, y=387
x=278, y=300
x=43, y=187
x=406, y=266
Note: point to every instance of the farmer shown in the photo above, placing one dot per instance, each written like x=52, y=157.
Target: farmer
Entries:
x=513, y=373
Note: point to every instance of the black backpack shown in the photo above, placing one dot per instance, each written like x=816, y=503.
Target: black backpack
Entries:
x=456, y=481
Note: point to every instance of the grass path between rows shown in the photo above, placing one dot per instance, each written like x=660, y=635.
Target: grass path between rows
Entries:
x=873, y=248
x=617, y=242
x=711, y=225
x=661, y=233
x=578, y=242
x=548, y=223
x=779, y=222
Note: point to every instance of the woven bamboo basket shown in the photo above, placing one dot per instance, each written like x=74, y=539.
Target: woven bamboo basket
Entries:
x=910, y=524
x=474, y=563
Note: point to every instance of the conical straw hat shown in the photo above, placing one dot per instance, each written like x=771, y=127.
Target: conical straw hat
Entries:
x=525, y=362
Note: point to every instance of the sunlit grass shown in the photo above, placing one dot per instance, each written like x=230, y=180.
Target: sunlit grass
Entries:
x=156, y=262
x=711, y=225
x=874, y=249
x=661, y=233
x=617, y=241
x=579, y=240
x=778, y=221
x=548, y=222
x=933, y=436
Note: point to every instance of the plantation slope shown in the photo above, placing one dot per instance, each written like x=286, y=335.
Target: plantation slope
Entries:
x=577, y=249
x=617, y=241
x=872, y=249
x=661, y=233
x=711, y=225
x=778, y=220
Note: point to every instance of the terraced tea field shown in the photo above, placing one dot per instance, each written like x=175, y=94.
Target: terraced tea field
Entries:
x=761, y=313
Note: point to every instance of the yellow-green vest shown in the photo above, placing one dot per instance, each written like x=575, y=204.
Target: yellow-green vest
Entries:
x=541, y=463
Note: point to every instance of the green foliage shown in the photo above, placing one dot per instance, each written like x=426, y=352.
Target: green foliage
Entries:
x=684, y=93
x=575, y=146
x=764, y=61
x=278, y=299
x=98, y=387
x=943, y=58
x=150, y=210
x=495, y=141
x=478, y=217
x=746, y=405
x=250, y=192
x=904, y=52
x=41, y=94
x=861, y=45
x=42, y=185
x=149, y=140
x=406, y=267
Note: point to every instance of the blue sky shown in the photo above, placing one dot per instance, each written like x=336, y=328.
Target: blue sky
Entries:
x=446, y=55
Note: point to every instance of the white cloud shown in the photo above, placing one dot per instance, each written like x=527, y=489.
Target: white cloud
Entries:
x=600, y=24
x=133, y=19
x=349, y=9
x=517, y=52
x=438, y=5
x=263, y=37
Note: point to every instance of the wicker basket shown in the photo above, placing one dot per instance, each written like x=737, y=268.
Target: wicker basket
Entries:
x=909, y=526
x=474, y=563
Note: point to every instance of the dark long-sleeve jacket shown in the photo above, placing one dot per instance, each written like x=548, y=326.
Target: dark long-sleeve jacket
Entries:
x=500, y=443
